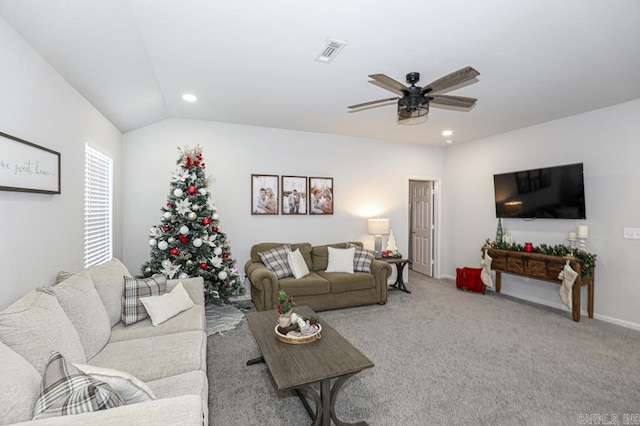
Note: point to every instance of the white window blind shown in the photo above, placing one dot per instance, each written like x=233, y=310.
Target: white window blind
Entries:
x=98, y=189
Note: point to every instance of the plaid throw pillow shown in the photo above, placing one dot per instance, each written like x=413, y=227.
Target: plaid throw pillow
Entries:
x=362, y=259
x=276, y=261
x=65, y=390
x=132, y=308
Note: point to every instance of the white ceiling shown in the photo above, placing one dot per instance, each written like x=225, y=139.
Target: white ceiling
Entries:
x=252, y=61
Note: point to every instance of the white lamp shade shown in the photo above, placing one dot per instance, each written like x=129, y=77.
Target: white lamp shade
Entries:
x=378, y=226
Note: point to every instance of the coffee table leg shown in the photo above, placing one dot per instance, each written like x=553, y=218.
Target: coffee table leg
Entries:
x=325, y=402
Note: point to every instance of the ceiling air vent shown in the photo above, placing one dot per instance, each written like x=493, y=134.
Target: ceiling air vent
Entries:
x=330, y=50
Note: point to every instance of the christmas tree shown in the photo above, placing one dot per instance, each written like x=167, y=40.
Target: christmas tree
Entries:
x=188, y=241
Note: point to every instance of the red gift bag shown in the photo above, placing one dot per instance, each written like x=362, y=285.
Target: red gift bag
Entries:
x=469, y=278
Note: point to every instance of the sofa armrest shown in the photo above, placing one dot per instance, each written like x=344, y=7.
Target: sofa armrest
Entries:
x=264, y=285
x=181, y=410
x=381, y=271
x=194, y=286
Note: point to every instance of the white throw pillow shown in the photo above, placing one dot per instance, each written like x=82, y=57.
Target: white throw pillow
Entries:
x=297, y=264
x=341, y=260
x=161, y=308
x=131, y=389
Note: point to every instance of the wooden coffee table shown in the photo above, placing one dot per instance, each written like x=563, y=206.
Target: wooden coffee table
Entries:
x=299, y=367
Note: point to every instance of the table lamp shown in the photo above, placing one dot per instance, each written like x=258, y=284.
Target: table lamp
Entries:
x=378, y=227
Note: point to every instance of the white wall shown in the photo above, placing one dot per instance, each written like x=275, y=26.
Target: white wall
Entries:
x=371, y=178
x=606, y=141
x=42, y=234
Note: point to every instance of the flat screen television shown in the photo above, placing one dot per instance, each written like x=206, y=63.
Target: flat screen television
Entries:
x=547, y=193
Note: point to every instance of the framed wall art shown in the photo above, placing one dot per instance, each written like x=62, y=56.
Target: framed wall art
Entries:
x=294, y=195
x=27, y=167
x=264, y=194
x=321, y=195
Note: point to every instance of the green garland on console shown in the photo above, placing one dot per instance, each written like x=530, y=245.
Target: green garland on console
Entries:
x=588, y=259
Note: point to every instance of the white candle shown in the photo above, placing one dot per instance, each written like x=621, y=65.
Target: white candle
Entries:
x=583, y=231
x=573, y=235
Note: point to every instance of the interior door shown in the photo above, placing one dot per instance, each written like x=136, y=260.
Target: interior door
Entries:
x=421, y=195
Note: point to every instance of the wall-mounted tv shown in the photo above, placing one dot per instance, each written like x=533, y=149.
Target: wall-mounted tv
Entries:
x=548, y=193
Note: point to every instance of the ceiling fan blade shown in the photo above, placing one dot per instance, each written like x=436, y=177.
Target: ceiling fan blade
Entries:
x=385, y=87
x=452, y=101
x=388, y=83
x=450, y=80
x=364, y=104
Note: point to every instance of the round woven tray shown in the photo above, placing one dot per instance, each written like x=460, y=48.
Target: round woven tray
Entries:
x=298, y=340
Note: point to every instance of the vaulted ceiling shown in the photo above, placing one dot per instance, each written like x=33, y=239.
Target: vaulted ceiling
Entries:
x=252, y=62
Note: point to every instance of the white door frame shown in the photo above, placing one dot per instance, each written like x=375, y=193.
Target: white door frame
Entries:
x=437, y=187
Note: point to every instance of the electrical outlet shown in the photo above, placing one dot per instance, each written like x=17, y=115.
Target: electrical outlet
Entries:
x=631, y=233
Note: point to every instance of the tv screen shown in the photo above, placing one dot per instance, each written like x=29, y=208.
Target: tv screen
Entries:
x=550, y=192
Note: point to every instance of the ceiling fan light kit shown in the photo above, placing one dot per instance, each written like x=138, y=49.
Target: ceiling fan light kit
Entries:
x=414, y=101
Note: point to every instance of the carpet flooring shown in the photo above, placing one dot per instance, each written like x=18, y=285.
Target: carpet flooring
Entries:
x=444, y=356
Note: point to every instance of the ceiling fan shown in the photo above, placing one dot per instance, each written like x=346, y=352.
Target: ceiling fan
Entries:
x=414, y=101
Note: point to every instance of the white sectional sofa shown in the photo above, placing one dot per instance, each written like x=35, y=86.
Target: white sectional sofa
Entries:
x=80, y=318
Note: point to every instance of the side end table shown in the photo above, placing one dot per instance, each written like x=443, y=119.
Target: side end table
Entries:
x=400, y=263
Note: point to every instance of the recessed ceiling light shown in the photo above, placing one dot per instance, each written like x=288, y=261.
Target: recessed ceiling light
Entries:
x=189, y=97
x=447, y=133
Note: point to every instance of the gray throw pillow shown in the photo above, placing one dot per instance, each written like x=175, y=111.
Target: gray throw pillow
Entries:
x=276, y=261
x=132, y=308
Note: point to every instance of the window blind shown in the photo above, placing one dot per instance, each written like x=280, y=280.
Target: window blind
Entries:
x=98, y=195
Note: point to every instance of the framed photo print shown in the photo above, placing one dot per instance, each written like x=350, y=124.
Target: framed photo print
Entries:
x=294, y=195
x=264, y=194
x=321, y=195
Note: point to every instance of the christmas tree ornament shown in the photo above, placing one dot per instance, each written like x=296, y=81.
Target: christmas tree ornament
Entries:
x=192, y=216
x=178, y=192
x=163, y=245
x=184, y=230
x=197, y=242
x=174, y=251
x=170, y=205
x=222, y=275
x=214, y=229
x=167, y=215
x=165, y=229
x=153, y=242
x=183, y=275
x=182, y=239
x=171, y=240
x=215, y=216
x=203, y=265
x=166, y=263
x=202, y=191
x=206, y=221
x=217, y=251
x=225, y=255
x=192, y=190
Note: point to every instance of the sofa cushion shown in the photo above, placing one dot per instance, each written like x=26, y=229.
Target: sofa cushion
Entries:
x=132, y=308
x=131, y=389
x=297, y=264
x=306, y=286
x=156, y=357
x=340, y=260
x=168, y=305
x=362, y=259
x=341, y=282
x=190, y=383
x=65, y=390
x=305, y=249
x=276, y=261
x=107, y=278
x=78, y=297
x=19, y=389
x=190, y=320
x=320, y=254
x=36, y=325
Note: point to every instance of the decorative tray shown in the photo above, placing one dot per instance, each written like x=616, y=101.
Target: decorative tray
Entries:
x=284, y=338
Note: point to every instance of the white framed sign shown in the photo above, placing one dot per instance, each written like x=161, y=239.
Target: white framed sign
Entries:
x=27, y=167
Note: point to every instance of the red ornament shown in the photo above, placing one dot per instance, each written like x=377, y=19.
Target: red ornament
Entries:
x=192, y=190
x=215, y=229
x=225, y=255
x=165, y=229
x=196, y=163
x=188, y=162
x=202, y=165
x=169, y=205
x=183, y=239
x=206, y=221
x=174, y=251
x=203, y=265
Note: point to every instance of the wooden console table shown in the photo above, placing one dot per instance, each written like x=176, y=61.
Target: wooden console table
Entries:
x=543, y=267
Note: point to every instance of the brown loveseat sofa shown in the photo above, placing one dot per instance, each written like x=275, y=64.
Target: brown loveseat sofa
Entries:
x=320, y=290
